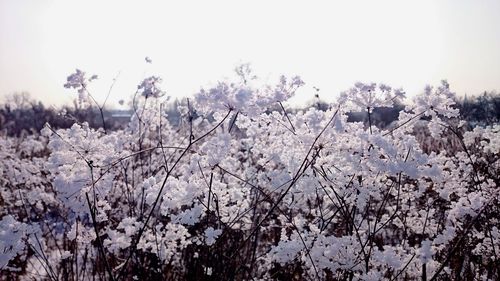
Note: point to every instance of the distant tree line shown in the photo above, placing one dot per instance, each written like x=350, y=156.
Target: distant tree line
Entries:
x=482, y=109
x=22, y=115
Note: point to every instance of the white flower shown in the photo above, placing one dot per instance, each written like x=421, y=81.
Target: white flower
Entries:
x=216, y=148
x=364, y=97
x=211, y=235
x=244, y=98
x=149, y=87
x=426, y=251
x=78, y=81
x=11, y=235
x=437, y=101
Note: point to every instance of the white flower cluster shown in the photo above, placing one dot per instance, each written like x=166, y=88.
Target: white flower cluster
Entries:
x=366, y=97
x=149, y=87
x=243, y=98
x=12, y=234
x=305, y=195
x=79, y=81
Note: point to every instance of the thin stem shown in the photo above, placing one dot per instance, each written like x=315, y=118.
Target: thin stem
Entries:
x=286, y=115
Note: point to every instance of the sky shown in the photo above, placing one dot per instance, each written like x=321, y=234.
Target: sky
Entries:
x=194, y=44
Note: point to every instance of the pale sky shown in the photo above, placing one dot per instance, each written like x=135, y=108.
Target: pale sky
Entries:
x=330, y=44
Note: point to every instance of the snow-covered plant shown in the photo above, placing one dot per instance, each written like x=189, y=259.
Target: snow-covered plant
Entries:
x=12, y=234
x=80, y=81
x=242, y=189
x=149, y=87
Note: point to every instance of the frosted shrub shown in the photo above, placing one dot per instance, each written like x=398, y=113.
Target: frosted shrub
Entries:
x=241, y=189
